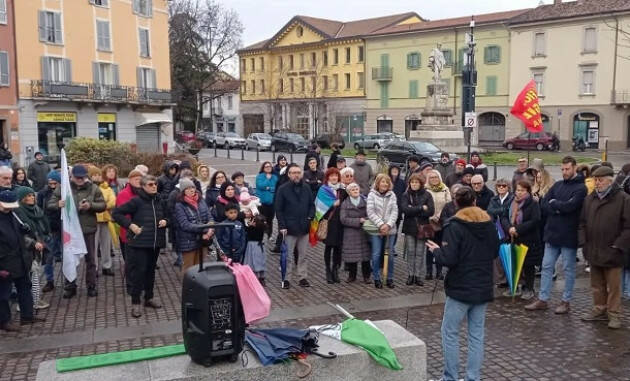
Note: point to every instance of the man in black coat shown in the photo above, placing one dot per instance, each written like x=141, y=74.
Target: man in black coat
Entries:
x=313, y=152
x=145, y=237
x=15, y=265
x=168, y=180
x=295, y=209
x=38, y=171
x=469, y=247
x=482, y=193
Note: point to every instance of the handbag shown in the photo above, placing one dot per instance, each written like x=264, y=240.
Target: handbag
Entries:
x=322, y=230
x=425, y=231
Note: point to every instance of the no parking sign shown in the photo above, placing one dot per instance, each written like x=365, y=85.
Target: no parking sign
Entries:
x=470, y=120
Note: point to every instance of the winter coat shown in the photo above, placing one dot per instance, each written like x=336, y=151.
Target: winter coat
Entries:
x=470, y=245
x=484, y=197
x=440, y=199
x=562, y=206
x=528, y=231
x=480, y=169
x=447, y=213
x=445, y=169
x=412, y=204
x=126, y=194
x=87, y=191
x=146, y=211
x=314, y=180
x=219, y=209
x=190, y=224
x=516, y=177
x=266, y=188
x=110, y=202
x=54, y=216
x=295, y=208
x=335, y=228
x=452, y=179
x=282, y=177
x=356, y=247
x=38, y=174
x=212, y=194
x=604, y=230
x=383, y=209
x=399, y=188
x=14, y=257
x=233, y=241
x=363, y=175
x=166, y=183
x=498, y=210
x=332, y=161
x=312, y=154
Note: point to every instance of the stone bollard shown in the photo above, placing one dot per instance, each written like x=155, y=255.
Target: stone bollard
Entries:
x=227, y=147
x=495, y=171
x=215, y=149
x=242, y=153
x=257, y=154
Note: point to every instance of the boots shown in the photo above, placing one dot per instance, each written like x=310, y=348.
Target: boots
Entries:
x=329, y=278
x=335, y=274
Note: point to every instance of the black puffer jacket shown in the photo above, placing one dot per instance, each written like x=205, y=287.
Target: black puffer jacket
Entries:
x=314, y=179
x=166, y=183
x=54, y=216
x=145, y=211
x=469, y=247
x=14, y=257
x=484, y=197
x=412, y=206
x=295, y=208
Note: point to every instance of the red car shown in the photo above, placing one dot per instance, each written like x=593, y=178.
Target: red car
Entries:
x=185, y=137
x=539, y=141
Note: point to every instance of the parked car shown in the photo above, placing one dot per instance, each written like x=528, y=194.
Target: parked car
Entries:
x=539, y=141
x=326, y=140
x=208, y=138
x=376, y=141
x=260, y=140
x=230, y=140
x=398, y=151
x=288, y=141
x=184, y=137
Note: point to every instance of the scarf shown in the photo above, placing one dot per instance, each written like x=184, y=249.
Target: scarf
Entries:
x=34, y=217
x=355, y=201
x=192, y=200
x=438, y=188
x=516, y=211
x=602, y=195
x=335, y=186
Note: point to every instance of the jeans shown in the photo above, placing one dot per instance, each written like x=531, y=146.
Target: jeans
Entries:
x=454, y=313
x=377, y=246
x=25, y=298
x=54, y=251
x=625, y=284
x=549, y=263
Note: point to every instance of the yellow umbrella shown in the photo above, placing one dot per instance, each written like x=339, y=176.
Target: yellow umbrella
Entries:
x=519, y=252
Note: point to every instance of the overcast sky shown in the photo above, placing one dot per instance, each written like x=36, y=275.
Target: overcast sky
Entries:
x=263, y=18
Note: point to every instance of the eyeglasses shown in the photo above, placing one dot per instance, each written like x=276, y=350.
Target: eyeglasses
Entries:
x=267, y=166
x=295, y=172
x=501, y=185
x=151, y=184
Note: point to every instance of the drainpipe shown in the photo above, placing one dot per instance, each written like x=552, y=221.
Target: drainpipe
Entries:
x=456, y=53
x=614, y=81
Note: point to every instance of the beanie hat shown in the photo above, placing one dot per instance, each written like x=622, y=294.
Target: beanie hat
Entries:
x=8, y=199
x=469, y=171
x=425, y=164
x=55, y=176
x=135, y=173
x=185, y=184
x=143, y=169
x=460, y=162
x=603, y=171
x=23, y=192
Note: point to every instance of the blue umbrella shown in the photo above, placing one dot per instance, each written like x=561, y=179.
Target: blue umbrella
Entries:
x=278, y=344
x=505, y=253
x=283, y=261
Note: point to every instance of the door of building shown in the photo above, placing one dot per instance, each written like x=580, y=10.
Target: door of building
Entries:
x=491, y=128
x=148, y=138
x=253, y=123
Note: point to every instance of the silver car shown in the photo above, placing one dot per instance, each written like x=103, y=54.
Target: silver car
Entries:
x=376, y=141
x=260, y=140
x=229, y=140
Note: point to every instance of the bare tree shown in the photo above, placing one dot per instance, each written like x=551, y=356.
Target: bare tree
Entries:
x=204, y=37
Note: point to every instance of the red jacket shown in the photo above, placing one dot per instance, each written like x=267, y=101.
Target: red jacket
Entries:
x=125, y=195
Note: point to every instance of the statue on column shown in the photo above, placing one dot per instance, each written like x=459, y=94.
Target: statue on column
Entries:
x=437, y=62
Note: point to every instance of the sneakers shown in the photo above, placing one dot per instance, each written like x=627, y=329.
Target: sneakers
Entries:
x=48, y=287
x=285, y=285
x=390, y=283
x=527, y=295
x=614, y=322
x=508, y=294
x=595, y=315
x=41, y=305
x=304, y=283
x=378, y=284
x=136, y=310
x=10, y=327
x=562, y=309
x=538, y=305
x=152, y=304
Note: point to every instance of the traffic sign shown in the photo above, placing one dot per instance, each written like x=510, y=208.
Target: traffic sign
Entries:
x=470, y=120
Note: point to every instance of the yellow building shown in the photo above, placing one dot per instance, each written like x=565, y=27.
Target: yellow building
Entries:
x=397, y=63
x=310, y=76
x=94, y=68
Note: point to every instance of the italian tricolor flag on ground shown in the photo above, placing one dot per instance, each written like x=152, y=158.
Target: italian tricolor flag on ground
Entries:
x=363, y=334
x=73, y=243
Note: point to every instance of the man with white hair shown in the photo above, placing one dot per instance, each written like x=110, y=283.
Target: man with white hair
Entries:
x=604, y=234
x=482, y=193
x=6, y=175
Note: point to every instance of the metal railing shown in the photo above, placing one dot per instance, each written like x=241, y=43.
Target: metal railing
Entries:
x=98, y=92
x=382, y=73
x=620, y=97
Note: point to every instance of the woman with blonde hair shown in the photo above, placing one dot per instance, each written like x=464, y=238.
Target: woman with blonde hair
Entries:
x=382, y=211
x=441, y=196
x=542, y=183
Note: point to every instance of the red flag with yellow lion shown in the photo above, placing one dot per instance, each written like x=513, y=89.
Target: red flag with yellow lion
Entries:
x=527, y=108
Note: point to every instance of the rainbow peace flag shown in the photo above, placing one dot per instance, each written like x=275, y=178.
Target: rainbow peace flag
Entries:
x=326, y=197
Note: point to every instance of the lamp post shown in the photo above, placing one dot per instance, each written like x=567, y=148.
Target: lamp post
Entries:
x=469, y=83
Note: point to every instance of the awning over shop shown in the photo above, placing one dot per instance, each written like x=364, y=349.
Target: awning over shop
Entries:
x=143, y=118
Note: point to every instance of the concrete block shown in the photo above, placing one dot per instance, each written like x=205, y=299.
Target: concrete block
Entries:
x=351, y=364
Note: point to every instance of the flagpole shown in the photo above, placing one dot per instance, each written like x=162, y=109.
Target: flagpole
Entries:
x=529, y=137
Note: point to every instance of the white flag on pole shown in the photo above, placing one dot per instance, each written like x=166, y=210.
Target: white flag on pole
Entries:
x=72, y=236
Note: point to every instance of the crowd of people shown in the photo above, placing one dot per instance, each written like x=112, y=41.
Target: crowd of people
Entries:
x=587, y=208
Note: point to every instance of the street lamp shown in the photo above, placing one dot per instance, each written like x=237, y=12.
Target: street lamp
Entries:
x=469, y=83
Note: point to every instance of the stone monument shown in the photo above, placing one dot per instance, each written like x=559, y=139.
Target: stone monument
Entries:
x=438, y=125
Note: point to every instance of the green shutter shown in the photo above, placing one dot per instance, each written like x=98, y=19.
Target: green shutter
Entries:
x=413, y=89
x=417, y=63
x=491, y=85
x=384, y=95
x=448, y=57
x=492, y=54
x=413, y=60
x=497, y=54
x=409, y=60
x=384, y=60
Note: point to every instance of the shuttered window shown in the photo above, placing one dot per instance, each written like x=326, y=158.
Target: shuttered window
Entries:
x=492, y=54
x=539, y=44
x=103, y=35
x=4, y=68
x=146, y=78
x=413, y=89
x=491, y=85
x=50, y=27
x=143, y=7
x=413, y=60
x=104, y=73
x=100, y=3
x=3, y=11
x=384, y=94
x=55, y=69
x=145, y=43
x=361, y=80
x=590, y=40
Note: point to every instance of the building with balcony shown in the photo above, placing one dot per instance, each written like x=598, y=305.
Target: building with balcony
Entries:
x=221, y=111
x=93, y=68
x=398, y=58
x=578, y=53
x=310, y=76
x=9, y=112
